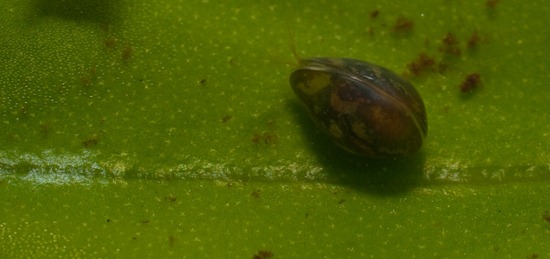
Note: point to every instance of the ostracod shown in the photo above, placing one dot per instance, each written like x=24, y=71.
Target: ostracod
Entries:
x=364, y=108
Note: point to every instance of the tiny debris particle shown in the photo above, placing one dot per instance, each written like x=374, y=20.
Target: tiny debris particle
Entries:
x=202, y=81
x=262, y=254
x=471, y=82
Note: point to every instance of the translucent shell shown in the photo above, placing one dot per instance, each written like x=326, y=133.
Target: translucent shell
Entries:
x=364, y=108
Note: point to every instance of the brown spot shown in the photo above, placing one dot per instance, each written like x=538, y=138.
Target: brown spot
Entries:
x=533, y=256
x=449, y=39
x=110, y=42
x=473, y=41
x=271, y=123
x=266, y=138
x=232, y=62
x=91, y=141
x=262, y=254
x=171, y=198
x=45, y=129
x=255, y=194
x=491, y=3
x=127, y=53
x=402, y=25
x=449, y=45
x=226, y=118
x=546, y=216
x=145, y=221
x=85, y=81
x=88, y=77
x=23, y=110
x=270, y=138
x=374, y=14
x=421, y=64
x=371, y=31
x=105, y=27
x=171, y=240
x=471, y=82
x=256, y=138
x=202, y=81
x=442, y=67
x=427, y=43
x=341, y=201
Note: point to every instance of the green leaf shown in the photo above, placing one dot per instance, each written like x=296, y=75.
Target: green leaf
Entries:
x=135, y=128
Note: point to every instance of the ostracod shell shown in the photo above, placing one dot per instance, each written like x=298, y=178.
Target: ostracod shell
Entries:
x=366, y=109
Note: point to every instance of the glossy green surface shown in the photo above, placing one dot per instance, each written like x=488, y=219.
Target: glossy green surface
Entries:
x=235, y=219
x=108, y=109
